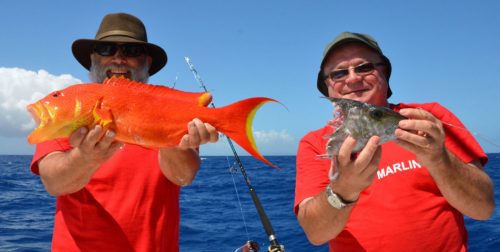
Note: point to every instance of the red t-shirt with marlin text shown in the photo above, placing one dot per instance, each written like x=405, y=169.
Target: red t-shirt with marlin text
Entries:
x=403, y=209
x=128, y=205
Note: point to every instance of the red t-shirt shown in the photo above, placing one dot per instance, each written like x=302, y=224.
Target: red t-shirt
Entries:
x=128, y=205
x=403, y=209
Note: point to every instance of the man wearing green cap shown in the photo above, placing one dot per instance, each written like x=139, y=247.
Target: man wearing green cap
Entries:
x=113, y=196
x=406, y=195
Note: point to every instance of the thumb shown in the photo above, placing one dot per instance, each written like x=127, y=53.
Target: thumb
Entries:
x=184, y=143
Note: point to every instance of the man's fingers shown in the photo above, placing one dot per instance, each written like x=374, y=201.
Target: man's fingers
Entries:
x=366, y=155
x=77, y=137
x=416, y=113
x=184, y=143
x=201, y=132
x=106, y=140
x=93, y=136
x=345, y=151
x=214, y=135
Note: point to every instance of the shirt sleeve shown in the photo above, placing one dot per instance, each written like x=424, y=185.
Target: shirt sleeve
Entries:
x=42, y=149
x=311, y=171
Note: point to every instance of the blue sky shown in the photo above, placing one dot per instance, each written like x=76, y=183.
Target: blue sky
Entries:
x=445, y=51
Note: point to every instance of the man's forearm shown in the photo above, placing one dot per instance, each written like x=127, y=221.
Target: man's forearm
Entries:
x=320, y=221
x=466, y=186
x=64, y=172
x=179, y=165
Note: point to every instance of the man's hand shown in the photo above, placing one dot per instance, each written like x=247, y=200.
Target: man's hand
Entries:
x=423, y=135
x=198, y=133
x=95, y=147
x=355, y=174
x=180, y=164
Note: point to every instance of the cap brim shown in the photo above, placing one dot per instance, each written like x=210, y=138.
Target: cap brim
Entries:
x=82, y=48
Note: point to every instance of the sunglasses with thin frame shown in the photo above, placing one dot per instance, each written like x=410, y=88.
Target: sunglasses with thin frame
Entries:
x=361, y=69
x=127, y=49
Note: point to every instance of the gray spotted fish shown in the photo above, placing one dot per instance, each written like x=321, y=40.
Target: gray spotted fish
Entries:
x=361, y=121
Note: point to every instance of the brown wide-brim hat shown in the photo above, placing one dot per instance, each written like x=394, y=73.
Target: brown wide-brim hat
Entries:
x=349, y=37
x=120, y=28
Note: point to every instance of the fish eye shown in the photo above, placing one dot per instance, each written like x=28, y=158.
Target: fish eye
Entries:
x=56, y=94
x=376, y=114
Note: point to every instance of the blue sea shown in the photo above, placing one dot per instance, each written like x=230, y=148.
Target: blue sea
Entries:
x=217, y=213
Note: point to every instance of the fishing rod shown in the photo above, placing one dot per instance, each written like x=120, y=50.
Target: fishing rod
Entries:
x=274, y=244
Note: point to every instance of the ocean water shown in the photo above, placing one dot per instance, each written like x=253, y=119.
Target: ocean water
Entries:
x=217, y=213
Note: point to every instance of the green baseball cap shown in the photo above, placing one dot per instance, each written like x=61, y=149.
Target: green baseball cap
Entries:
x=347, y=37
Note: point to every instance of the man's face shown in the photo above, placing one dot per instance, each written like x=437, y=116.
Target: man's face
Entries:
x=364, y=80
x=131, y=67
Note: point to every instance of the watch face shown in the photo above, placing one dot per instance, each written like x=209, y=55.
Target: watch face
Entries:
x=333, y=199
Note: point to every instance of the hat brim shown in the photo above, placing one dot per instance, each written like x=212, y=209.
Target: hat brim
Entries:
x=82, y=48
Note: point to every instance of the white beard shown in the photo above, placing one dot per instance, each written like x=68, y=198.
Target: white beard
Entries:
x=98, y=72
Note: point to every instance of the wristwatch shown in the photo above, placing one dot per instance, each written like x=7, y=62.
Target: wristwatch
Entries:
x=335, y=200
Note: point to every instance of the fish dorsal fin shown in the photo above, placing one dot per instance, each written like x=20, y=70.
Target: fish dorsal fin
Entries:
x=198, y=98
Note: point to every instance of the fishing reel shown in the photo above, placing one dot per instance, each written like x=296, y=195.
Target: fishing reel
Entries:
x=252, y=246
x=277, y=248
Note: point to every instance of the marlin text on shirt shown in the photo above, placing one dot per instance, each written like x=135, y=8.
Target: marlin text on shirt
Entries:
x=398, y=167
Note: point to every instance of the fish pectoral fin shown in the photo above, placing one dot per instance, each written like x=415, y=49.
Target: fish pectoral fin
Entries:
x=102, y=116
x=335, y=141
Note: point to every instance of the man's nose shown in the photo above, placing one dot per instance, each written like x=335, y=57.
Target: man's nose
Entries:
x=118, y=57
x=352, y=76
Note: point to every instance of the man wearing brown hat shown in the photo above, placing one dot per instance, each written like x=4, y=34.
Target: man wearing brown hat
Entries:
x=407, y=195
x=113, y=196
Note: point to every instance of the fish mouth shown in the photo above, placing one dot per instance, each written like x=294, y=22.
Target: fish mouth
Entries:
x=44, y=116
x=40, y=114
x=338, y=117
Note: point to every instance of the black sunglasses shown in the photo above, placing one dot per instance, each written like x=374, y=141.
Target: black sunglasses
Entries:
x=128, y=50
x=361, y=69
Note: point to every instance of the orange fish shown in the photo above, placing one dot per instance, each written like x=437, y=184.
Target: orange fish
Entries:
x=143, y=114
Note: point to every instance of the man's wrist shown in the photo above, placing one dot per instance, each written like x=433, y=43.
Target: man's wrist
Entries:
x=344, y=190
x=336, y=200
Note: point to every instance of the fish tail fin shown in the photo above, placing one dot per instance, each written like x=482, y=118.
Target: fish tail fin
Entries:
x=237, y=124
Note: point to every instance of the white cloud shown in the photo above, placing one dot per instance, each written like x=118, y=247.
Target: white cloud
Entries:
x=269, y=142
x=275, y=142
x=272, y=136
x=20, y=87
